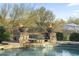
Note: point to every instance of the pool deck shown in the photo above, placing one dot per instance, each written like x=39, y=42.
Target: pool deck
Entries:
x=12, y=45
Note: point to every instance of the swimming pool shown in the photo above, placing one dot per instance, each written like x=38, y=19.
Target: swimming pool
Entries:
x=39, y=51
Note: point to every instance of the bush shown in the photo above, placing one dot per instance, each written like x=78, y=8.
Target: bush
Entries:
x=74, y=37
x=4, y=36
x=2, y=30
x=65, y=37
x=59, y=36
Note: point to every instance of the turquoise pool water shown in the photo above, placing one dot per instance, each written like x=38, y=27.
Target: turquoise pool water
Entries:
x=48, y=51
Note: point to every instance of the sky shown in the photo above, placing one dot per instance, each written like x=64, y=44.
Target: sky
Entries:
x=61, y=10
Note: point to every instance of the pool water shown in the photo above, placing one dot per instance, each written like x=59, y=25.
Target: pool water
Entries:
x=39, y=51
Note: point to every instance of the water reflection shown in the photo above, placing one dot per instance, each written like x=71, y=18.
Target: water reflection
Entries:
x=37, y=51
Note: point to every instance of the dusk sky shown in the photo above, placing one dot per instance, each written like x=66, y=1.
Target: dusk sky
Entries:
x=61, y=10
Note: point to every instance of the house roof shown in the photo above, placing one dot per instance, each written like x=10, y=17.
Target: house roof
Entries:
x=71, y=26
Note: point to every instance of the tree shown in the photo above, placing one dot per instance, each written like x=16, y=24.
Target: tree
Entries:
x=44, y=17
x=19, y=13
x=31, y=20
x=14, y=13
x=73, y=20
x=4, y=11
x=41, y=18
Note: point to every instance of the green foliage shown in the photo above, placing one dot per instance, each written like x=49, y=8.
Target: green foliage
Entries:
x=45, y=17
x=65, y=37
x=4, y=36
x=59, y=36
x=39, y=18
x=73, y=20
x=2, y=30
x=74, y=37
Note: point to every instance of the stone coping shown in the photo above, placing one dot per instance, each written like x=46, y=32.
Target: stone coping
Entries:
x=12, y=45
x=67, y=42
